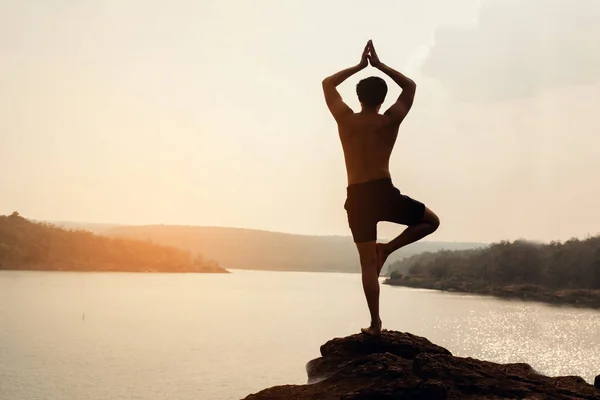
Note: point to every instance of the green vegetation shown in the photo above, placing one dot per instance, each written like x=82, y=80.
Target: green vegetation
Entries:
x=566, y=272
x=26, y=245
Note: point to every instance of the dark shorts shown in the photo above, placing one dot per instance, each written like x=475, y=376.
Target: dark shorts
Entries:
x=371, y=202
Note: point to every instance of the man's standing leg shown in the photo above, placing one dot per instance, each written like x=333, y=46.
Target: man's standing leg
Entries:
x=370, y=280
x=362, y=221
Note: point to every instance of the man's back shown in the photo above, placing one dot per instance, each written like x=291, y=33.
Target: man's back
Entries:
x=368, y=139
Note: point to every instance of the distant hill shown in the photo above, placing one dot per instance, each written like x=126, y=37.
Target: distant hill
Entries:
x=28, y=245
x=238, y=248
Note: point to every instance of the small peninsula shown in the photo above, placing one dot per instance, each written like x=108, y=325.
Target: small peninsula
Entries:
x=35, y=246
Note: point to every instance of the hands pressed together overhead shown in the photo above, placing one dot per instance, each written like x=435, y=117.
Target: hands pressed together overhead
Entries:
x=369, y=56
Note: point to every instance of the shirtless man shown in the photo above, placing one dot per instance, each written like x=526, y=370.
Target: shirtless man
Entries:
x=368, y=139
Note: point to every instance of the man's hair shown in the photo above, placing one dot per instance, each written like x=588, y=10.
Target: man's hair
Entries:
x=371, y=91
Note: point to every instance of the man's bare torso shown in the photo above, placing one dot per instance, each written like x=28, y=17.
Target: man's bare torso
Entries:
x=368, y=139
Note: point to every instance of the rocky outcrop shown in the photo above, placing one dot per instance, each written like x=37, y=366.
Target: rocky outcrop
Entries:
x=403, y=366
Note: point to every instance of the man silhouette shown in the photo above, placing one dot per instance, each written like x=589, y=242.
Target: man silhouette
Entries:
x=368, y=139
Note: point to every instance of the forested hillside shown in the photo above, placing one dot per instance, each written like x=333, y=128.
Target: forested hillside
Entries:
x=26, y=245
x=566, y=272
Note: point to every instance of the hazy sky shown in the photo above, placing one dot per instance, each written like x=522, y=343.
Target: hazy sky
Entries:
x=211, y=113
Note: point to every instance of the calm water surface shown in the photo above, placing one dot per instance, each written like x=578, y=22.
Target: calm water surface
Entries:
x=115, y=336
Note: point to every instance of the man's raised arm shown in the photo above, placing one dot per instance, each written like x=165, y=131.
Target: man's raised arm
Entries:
x=332, y=97
x=403, y=104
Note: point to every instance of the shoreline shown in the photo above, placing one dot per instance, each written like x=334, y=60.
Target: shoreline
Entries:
x=64, y=267
x=99, y=271
x=581, y=298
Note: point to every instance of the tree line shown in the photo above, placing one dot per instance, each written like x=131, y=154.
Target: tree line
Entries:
x=42, y=246
x=574, y=264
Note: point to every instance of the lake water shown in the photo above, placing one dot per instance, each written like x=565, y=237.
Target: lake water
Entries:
x=207, y=337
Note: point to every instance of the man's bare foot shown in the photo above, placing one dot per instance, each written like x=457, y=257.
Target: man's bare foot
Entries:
x=373, y=330
x=382, y=255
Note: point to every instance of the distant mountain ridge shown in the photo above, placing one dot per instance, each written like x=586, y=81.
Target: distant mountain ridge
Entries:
x=241, y=248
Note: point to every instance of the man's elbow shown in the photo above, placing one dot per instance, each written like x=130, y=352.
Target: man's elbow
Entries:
x=326, y=82
x=409, y=89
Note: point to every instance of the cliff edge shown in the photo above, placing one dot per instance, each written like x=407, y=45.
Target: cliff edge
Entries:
x=400, y=365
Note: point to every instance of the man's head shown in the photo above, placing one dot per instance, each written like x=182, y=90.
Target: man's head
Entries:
x=371, y=92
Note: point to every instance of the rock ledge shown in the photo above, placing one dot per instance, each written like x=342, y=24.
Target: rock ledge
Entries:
x=404, y=366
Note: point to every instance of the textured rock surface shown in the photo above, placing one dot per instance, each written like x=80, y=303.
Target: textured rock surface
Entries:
x=403, y=366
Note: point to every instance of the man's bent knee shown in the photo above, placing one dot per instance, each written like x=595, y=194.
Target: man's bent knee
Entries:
x=432, y=219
